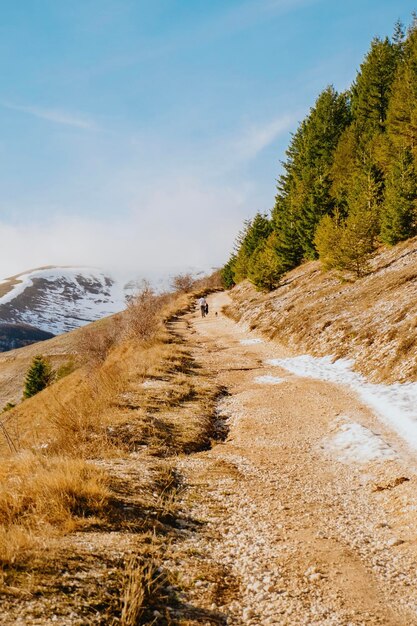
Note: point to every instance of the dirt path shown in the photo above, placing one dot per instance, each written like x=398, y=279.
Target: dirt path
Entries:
x=285, y=532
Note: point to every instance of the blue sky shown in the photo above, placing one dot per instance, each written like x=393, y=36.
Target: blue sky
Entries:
x=137, y=135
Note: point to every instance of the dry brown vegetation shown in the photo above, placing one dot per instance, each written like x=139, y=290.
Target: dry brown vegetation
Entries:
x=40, y=494
x=372, y=319
x=187, y=283
x=91, y=460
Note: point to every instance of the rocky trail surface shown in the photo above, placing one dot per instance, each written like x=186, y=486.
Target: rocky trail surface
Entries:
x=301, y=510
x=306, y=512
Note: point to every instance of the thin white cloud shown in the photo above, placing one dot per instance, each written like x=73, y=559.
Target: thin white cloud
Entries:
x=257, y=137
x=56, y=116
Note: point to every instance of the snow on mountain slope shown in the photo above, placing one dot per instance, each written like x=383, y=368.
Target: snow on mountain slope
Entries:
x=59, y=299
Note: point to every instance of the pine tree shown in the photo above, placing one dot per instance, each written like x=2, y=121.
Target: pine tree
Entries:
x=288, y=246
x=402, y=110
x=327, y=241
x=348, y=245
x=38, y=376
x=227, y=273
x=372, y=88
x=398, y=34
x=304, y=189
x=265, y=269
x=255, y=231
x=399, y=218
x=357, y=241
x=343, y=168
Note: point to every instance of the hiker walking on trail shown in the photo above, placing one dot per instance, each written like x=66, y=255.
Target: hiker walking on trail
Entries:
x=203, y=303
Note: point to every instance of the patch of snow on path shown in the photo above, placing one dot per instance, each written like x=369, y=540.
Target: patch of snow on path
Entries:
x=353, y=443
x=250, y=342
x=269, y=380
x=395, y=404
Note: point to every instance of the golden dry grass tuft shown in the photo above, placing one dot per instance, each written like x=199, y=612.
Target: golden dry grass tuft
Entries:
x=142, y=584
x=39, y=492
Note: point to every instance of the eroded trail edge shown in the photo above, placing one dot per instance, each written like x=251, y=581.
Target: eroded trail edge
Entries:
x=292, y=524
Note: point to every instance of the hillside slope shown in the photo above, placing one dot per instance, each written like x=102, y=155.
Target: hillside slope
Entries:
x=192, y=479
x=14, y=364
x=372, y=320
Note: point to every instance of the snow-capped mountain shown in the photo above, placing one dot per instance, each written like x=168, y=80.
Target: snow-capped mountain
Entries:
x=59, y=299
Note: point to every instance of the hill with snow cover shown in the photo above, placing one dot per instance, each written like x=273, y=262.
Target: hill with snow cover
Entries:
x=58, y=299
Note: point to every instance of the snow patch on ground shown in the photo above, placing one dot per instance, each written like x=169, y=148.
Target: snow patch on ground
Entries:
x=151, y=384
x=395, y=404
x=250, y=342
x=269, y=380
x=353, y=443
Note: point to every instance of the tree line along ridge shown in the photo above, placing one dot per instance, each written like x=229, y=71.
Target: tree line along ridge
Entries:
x=349, y=180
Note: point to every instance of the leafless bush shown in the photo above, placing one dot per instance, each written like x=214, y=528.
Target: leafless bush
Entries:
x=142, y=316
x=96, y=341
x=212, y=282
x=183, y=283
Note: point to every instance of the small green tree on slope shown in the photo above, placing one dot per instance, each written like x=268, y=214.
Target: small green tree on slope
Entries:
x=265, y=268
x=347, y=245
x=38, y=376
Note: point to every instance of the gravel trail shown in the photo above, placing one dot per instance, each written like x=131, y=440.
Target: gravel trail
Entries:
x=285, y=529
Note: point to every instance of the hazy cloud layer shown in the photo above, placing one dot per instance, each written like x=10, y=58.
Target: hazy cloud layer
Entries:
x=183, y=224
x=170, y=219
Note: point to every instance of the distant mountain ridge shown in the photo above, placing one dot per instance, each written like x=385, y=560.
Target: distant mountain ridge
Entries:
x=59, y=299
x=19, y=335
x=51, y=300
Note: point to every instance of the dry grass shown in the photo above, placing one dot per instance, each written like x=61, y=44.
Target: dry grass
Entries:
x=98, y=415
x=38, y=492
x=143, y=581
x=80, y=427
x=95, y=341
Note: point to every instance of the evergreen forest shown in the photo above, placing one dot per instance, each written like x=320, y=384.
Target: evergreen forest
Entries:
x=349, y=178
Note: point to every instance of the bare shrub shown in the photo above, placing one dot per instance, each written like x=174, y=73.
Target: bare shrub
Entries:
x=212, y=282
x=65, y=369
x=142, y=317
x=406, y=344
x=183, y=283
x=95, y=341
